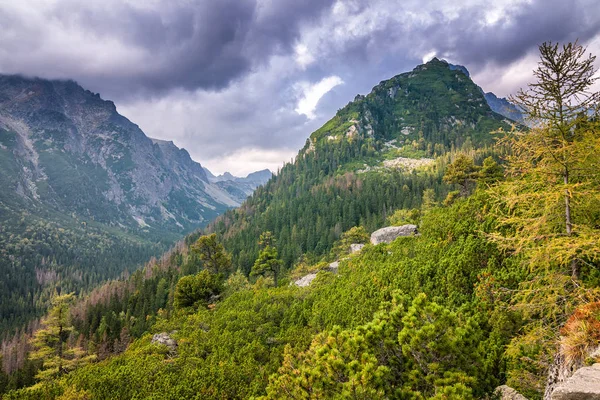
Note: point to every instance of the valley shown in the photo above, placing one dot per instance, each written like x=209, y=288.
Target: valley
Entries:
x=429, y=241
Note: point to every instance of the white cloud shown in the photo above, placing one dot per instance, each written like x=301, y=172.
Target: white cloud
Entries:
x=427, y=57
x=311, y=94
x=303, y=56
x=247, y=160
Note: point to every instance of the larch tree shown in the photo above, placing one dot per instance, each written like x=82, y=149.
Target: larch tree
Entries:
x=547, y=203
x=50, y=342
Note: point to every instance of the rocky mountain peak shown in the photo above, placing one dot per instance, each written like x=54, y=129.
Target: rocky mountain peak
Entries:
x=73, y=152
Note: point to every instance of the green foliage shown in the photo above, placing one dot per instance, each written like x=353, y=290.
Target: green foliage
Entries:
x=447, y=314
x=421, y=352
x=212, y=254
x=236, y=282
x=56, y=250
x=268, y=262
x=50, y=342
x=355, y=235
x=554, y=166
x=195, y=290
x=431, y=111
x=232, y=350
x=490, y=172
x=441, y=351
x=463, y=172
x=403, y=217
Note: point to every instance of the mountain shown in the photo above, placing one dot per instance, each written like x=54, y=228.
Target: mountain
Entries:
x=365, y=325
x=86, y=194
x=76, y=153
x=499, y=105
x=379, y=153
x=240, y=188
x=502, y=106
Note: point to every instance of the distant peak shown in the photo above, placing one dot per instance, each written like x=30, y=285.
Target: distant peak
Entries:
x=162, y=142
x=460, y=68
x=434, y=61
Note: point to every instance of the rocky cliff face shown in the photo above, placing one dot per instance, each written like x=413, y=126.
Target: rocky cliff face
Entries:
x=68, y=149
x=240, y=188
x=504, y=107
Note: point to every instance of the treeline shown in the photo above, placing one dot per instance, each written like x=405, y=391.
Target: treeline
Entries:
x=108, y=318
x=308, y=205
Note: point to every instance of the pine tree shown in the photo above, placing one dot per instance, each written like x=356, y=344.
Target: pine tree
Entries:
x=462, y=172
x=267, y=263
x=212, y=253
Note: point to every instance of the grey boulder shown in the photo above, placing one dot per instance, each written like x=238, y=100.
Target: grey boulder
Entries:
x=583, y=385
x=356, y=247
x=166, y=340
x=391, y=233
x=305, y=280
x=508, y=393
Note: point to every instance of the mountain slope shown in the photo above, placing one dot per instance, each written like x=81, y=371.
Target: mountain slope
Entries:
x=85, y=193
x=76, y=153
x=361, y=164
x=502, y=106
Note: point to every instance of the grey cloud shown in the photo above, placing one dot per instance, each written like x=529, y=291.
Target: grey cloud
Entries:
x=186, y=44
x=465, y=37
x=219, y=77
x=517, y=32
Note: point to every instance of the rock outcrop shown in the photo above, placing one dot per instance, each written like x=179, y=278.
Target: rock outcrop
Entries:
x=305, y=280
x=562, y=369
x=391, y=233
x=165, y=339
x=508, y=393
x=583, y=385
x=333, y=267
x=356, y=247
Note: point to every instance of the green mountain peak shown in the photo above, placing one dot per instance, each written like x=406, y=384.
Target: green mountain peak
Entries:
x=436, y=102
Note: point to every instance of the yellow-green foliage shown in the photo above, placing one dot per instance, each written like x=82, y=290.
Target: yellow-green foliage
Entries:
x=232, y=350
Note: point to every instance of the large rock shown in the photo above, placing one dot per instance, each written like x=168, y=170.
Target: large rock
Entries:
x=356, y=247
x=508, y=393
x=166, y=340
x=583, y=385
x=389, y=234
x=333, y=267
x=305, y=280
x=562, y=369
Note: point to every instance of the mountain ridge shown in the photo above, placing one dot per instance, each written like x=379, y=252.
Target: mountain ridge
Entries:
x=86, y=195
x=366, y=149
x=155, y=177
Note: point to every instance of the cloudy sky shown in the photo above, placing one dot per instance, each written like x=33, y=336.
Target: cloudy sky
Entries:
x=241, y=84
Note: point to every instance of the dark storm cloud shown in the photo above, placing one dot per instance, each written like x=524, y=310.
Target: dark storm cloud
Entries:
x=185, y=44
x=516, y=32
x=466, y=36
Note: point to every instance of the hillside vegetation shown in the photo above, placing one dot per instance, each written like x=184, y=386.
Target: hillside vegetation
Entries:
x=500, y=281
